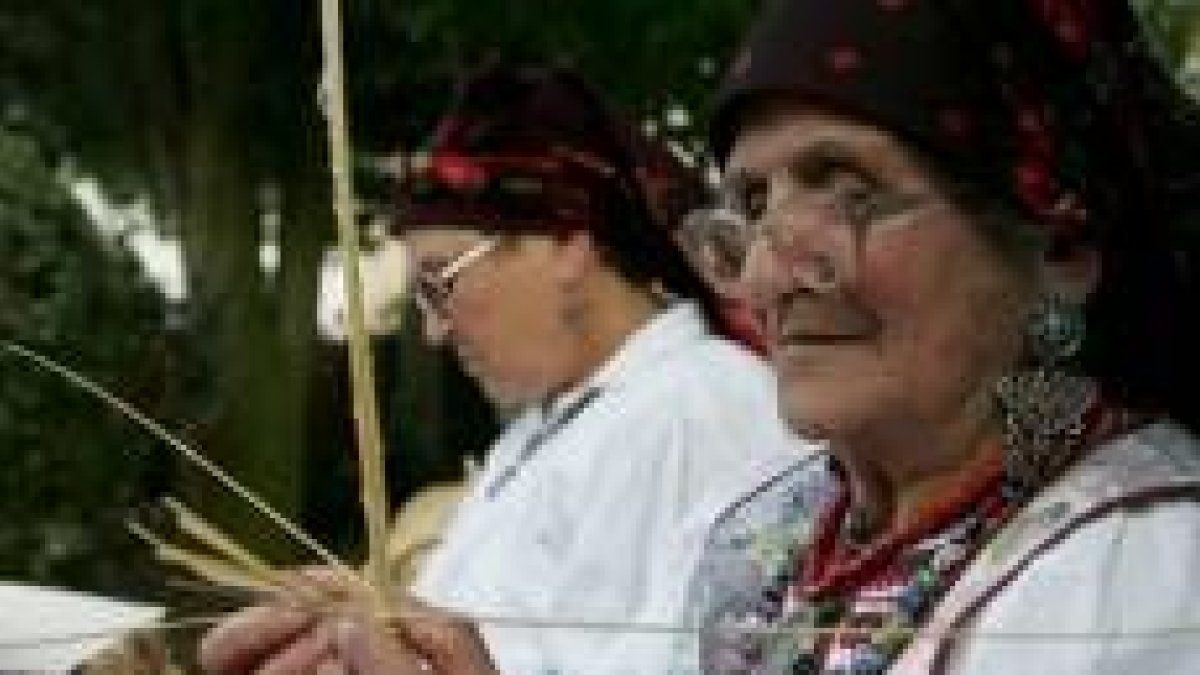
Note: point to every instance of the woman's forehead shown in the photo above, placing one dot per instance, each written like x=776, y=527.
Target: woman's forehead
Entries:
x=779, y=135
x=438, y=240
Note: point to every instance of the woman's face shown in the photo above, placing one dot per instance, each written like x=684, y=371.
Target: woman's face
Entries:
x=885, y=307
x=498, y=304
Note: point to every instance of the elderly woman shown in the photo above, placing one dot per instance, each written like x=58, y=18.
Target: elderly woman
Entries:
x=957, y=220
x=541, y=237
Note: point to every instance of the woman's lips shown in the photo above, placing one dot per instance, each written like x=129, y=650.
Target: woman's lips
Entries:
x=810, y=324
x=821, y=338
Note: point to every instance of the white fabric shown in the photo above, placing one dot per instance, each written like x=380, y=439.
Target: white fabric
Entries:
x=47, y=630
x=604, y=521
x=1134, y=572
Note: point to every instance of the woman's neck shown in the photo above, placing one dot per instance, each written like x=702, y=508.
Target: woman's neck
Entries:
x=895, y=476
x=606, y=321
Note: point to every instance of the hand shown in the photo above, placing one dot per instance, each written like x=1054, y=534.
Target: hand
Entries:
x=280, y=639
x=270, y=640
x=137, y=654
x=422, y=640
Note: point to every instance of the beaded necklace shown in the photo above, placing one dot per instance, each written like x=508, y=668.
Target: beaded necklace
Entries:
x=878, y=594
x=856, y=606
x=866, y=600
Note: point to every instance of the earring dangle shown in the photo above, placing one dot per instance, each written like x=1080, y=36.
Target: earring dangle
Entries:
x=1044, y=406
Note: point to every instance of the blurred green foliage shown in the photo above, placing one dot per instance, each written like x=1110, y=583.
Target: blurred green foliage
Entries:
x=70, y=471
x=1175, y=25
x=647, y=56
x=208, y=109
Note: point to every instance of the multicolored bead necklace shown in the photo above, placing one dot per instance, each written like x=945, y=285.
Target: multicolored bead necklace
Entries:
x=866, y=601
x=848, y=604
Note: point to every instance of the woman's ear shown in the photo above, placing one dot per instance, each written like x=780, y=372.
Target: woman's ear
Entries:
x=1073, y=274
x=577, y=255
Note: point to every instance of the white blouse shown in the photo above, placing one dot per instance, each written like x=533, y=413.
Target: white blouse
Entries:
x=1119, y=595
x=595, y=510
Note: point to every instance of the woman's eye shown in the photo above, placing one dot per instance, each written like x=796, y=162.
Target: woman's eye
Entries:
x=754, y=204
x=748, y=200
x=859, y=204
x=822, y=172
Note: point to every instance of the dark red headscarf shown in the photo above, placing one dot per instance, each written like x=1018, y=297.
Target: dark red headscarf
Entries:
x=1056, y=103
x=1058, y=107
x=535, y=149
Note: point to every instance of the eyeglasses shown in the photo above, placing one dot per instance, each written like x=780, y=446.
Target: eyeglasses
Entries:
x=433, y=287
x=752, y=209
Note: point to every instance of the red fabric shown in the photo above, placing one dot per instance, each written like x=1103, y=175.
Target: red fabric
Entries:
x=833, y=567
x=1058, y=104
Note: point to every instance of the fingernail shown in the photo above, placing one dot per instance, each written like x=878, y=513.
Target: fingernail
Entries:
x=345, y=633
x=332, y=668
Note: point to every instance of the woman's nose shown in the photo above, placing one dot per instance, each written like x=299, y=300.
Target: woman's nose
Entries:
x=761, y=279
x=805, y=250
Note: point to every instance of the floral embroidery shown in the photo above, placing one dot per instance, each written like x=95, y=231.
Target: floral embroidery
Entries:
x=757, y=591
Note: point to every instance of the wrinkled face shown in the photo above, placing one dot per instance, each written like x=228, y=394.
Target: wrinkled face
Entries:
x=884, y=305
x=497, y=302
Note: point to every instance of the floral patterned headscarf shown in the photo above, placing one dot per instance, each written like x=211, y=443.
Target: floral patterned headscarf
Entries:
x=536, y=149
x=1058, y=104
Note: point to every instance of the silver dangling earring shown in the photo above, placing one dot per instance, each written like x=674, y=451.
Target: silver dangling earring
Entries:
x=1055, y=330
x=1044, y=406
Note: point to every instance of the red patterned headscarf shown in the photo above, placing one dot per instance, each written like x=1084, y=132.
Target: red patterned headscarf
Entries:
x=1058, y=104
x=534, y=149
x=531, y=148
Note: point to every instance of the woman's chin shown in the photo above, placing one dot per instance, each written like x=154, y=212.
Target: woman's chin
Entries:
x=808, y=421
x=815, y=411
x=505, y=396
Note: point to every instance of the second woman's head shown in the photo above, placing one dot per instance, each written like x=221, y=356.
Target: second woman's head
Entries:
x=539, y=225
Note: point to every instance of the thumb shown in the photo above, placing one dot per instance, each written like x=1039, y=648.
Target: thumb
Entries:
x=452, y=645
x=367, y=649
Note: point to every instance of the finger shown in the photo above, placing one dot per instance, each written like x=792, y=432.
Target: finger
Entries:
x=451, y=644
x=332, y=666
x=306, y=654
x=368, y=649
x=238, y=644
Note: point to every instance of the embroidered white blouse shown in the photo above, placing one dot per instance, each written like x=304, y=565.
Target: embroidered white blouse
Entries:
x=1099, y=575
x=595, y=510
x=1120, y=594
